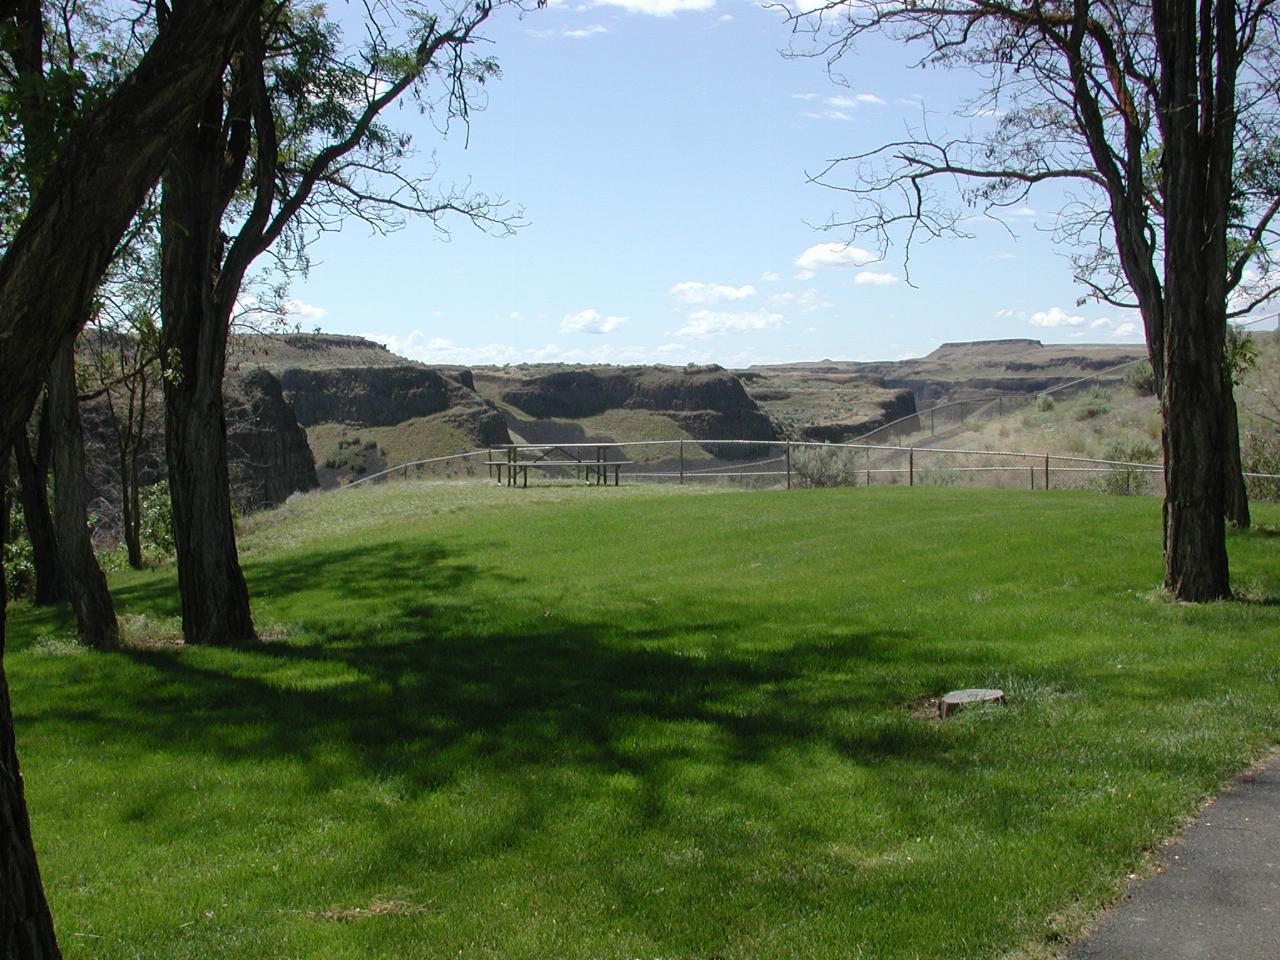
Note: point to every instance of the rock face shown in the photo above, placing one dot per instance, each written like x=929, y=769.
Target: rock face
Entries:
x=709, y=403
x=267, y=449
x=587, y=392
x=371, y=396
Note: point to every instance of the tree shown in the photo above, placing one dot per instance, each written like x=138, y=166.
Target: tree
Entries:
x=289, y=146
x=1161, y=114
x=48, y=272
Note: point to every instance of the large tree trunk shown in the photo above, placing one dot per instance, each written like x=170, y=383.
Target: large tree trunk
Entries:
x=47, y=274
x=33, y=489
x=1234, y=489
x=1196, y=42
x=86, y=585
x=193, y=343
x=26, y=928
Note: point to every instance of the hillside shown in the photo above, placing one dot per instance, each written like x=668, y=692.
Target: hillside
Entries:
x=959, y=370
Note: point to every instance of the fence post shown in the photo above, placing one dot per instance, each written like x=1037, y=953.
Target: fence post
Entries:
x=911, y=466
x=932, y=410
x=1033, y=477
x=788, y=464
x=868, y=466
x=1046, y=471
x=682, y=461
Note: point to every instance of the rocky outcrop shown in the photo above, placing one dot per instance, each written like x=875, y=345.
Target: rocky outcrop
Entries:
x=897, y=405
x=371, y=396
x=587, y=392
x=267, y=449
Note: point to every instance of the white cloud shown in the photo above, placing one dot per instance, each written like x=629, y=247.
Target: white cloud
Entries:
x=585, y=33
x=710, y=323
x=823, y=256
x=657, y=8
x=770, y=277
x=1100, y=323
x=692, y=291
x=828, y=115
x=857, y=100
x=590, y=321
x=875, y=279
x=1056, y=317
x=1004, y=313
x=806, y=301
x=1126, y=329
x=1023, y=212
x=300, y=312
x=725, y=17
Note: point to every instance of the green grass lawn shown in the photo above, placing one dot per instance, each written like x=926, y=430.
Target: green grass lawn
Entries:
x=634, y=724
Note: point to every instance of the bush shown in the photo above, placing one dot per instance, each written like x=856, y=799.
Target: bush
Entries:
x=1141, y=379
x=1261, y=454
x=156, y=531
x=825, y=467
x=1045, y=403
x=19, y=568
x=1128, y=481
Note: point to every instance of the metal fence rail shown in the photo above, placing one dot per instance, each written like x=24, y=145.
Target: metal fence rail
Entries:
x=783, y=463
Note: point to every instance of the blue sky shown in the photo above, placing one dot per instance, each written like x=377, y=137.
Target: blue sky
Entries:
x=659, y=150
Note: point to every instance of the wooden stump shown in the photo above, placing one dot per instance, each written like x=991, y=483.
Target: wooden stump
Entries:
x=962, y=698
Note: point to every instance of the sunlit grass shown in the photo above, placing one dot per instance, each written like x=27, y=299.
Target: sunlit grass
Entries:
x=629, y=723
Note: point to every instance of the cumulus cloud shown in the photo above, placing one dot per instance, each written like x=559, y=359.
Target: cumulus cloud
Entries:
x=770, y=277
x=711, y=323
x=873, y=278
x=301, y=312
x=590, y=321
x=692, y=291
x=823, y=256
x=1126, y=329
x=806, y=301
x=1056, y=317
x=585, y=33
x=657, y=8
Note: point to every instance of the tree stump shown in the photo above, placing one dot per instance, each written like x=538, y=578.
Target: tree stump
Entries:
x=962, y=698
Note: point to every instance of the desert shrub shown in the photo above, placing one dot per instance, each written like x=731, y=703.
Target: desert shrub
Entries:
x=1045, y=403
x=824, y=466
x=1261, y=454
x=1095, y=406
x=1126, y=480
x=1141, y=379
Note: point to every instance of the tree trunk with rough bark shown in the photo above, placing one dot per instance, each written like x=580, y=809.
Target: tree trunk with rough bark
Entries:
x=1198, y=64
x=33, y=490
x=86, y=585
x=26, y=927
x=47, y=275
x=193, y=344
x=1235, y=490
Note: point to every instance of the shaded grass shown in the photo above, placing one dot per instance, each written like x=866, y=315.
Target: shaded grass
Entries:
x=631, y=723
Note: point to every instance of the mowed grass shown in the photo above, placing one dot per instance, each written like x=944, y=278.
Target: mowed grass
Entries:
x=631, y=723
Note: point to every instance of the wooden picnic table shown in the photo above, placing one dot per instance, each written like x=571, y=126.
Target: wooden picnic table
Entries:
x=595, y=471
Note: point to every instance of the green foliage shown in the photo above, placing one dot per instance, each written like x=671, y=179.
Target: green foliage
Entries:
x=157, y=521
x=640, y=723
x=816, y=466
x=19, y=565
x=1096, y=406
x=1239, y=355
x=1141, y=379
x=1126, y=480
x=1044, y=403
x=1261, y=454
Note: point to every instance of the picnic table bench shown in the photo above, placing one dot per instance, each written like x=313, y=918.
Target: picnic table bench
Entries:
x=595, y=471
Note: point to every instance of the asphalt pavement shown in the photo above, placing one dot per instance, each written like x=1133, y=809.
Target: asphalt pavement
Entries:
x=1218, y=895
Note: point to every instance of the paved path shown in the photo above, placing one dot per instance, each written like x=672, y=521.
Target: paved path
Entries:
x=1219, y=894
